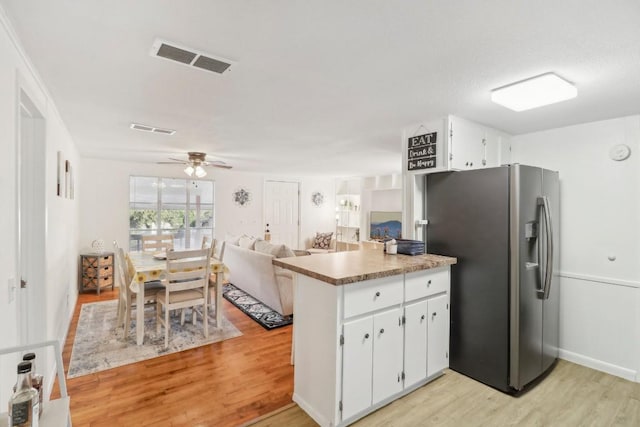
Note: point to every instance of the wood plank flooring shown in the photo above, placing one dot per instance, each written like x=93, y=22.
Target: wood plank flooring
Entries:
x=237, y=381
x=222, y=384
x=571, y=395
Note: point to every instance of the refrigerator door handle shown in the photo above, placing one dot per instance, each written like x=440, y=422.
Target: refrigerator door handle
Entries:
x=548, y=271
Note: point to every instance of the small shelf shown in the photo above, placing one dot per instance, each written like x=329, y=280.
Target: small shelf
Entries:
x=56, y=412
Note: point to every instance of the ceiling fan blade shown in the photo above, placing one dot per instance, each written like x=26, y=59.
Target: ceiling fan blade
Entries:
x=215, y=165
x=170, y=163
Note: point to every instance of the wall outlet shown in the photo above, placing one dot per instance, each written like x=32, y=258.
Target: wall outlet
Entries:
x=12, y=289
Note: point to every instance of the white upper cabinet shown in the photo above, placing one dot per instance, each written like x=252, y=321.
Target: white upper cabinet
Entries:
x=468, y=143
x=453, y=143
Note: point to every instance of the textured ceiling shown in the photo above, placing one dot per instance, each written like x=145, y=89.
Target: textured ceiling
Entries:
x=319, y=86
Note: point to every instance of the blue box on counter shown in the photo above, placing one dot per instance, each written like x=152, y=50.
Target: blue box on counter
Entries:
x=410, y=247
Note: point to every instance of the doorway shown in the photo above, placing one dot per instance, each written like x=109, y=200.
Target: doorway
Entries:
x=282, y=211
x=31, y=234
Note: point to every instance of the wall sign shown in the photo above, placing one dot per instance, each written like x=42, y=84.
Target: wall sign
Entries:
x=422, y=151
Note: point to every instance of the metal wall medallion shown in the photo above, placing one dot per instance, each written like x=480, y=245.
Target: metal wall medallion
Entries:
x=317, y=198
x=241, y=197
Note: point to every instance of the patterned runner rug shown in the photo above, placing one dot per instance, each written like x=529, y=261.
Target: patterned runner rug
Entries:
x=261, y=313
x=99, y=345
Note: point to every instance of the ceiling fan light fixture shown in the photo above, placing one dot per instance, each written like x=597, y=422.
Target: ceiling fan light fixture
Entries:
x=189, y=170
x=534, y=92
x=200, y=172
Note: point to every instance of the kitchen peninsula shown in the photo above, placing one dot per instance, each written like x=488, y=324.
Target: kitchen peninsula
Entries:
x=369, y=328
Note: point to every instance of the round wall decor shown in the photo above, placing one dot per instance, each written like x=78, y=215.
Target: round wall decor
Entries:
x=317, y=198
x=242, y=197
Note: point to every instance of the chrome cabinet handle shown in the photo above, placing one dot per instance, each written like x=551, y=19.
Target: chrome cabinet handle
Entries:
x=382, y=331
x=378, y=294
x=366, y=336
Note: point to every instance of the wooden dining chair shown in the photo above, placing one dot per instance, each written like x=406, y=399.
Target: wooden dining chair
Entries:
x=157, y=243
x=127, y=299
x=185, y=286
x=213, y=284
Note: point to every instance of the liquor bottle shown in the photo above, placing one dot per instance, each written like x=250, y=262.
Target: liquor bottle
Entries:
x=24, y=405
x=36, y=379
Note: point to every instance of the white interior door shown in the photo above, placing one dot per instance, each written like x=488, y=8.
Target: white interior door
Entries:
x=31, y=169
x=282, y=211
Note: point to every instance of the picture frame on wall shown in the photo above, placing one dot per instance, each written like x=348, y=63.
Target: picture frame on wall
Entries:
x=67, y=178
x=59, y=175
x=385, y=225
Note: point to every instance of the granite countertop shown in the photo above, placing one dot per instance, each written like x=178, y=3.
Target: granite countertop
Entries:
x=342, y=268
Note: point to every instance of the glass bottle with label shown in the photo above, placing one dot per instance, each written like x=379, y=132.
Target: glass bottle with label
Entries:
x=36, y=379
x=24, y=405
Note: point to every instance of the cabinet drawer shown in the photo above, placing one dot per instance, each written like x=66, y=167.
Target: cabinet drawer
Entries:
x=105, y=260
x=420, y=284
x=372, y=295
x=89, y=261
x=96, y=272
x=93, y=282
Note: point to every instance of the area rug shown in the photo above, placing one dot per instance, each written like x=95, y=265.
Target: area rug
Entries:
x=99, y=345
x=266, y=317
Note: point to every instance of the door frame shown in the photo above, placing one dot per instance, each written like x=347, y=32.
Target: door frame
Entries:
x=30, y=219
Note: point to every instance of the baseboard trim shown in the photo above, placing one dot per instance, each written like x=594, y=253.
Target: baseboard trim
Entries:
x=598, y=365
x=310, y=411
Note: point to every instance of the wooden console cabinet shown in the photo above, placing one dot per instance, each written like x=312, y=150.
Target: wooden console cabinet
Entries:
x=96, y=271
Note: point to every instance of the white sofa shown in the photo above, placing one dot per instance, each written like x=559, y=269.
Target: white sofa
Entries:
x=253, y=272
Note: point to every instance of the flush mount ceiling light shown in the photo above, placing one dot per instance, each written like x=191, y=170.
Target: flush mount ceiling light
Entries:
x=535, y=92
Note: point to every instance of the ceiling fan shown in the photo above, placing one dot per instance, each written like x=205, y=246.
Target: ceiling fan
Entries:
x=195, y=164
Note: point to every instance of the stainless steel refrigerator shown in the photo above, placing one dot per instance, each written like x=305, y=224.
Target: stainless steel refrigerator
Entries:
x=502, y=225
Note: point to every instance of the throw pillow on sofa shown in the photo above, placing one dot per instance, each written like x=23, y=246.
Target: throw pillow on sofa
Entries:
x=268, y=248
x=277, y=250
x=247, y=242
x=231, y=239
x=322, y=240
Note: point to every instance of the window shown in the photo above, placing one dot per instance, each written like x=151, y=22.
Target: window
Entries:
x=182, y=207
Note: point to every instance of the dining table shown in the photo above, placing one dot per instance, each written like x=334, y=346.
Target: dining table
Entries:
x=151, y=266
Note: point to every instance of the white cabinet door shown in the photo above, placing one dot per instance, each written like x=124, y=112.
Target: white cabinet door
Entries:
x=415, y=343
x=357, y=366
x=387, y=354
x=438, y=334
x=467, y=144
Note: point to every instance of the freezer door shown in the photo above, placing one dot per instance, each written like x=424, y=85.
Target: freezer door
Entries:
x=551, y=304
x=526, y=324
x=468, y=216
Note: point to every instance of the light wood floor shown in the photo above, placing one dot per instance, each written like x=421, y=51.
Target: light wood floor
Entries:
x=222, y=384
x=571, y=395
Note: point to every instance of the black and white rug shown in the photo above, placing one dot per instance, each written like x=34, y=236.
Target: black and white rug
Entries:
x=99, y=345
x=261, y=313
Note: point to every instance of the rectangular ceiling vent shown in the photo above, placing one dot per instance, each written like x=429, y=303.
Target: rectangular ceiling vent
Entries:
x=189, y=57
x=152, y=129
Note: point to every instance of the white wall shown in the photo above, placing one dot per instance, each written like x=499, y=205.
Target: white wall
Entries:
x=599, y=218
x=105, y=189
x=56, y=294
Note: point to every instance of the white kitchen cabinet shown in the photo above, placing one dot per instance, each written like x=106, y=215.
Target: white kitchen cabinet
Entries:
x=357, y=366
x=387, y=354
x=362, y=345
x=438, y=334
x=460, y=144
x=415, y=342
x=371, y=360
x=467, y=142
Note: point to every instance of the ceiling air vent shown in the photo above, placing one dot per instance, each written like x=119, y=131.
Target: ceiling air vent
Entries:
x=189, y=57
x=145, y=128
